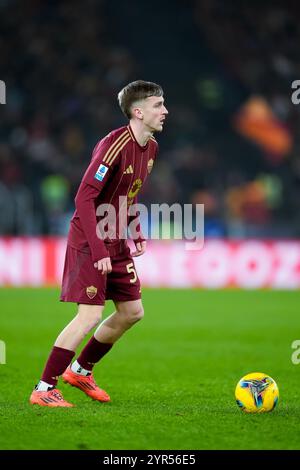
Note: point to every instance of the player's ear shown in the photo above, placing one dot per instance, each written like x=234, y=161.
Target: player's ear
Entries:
x=137, y=112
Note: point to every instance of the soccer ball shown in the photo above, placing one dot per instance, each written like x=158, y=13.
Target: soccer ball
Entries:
x=256, y=393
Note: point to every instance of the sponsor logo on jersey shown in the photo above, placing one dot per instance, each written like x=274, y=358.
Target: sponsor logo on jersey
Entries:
x=133, y=191
x=101, y=172
x=135, y=188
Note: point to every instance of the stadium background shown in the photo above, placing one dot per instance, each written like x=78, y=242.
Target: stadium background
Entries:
x=231, y=142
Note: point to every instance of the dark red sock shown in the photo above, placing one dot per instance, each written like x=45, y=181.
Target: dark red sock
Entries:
x=57, y=363
x=92, y=353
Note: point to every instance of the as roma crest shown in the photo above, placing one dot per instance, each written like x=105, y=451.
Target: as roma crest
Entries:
x=91, y=292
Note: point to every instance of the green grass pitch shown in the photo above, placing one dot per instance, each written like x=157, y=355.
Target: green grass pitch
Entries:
x=171, y=377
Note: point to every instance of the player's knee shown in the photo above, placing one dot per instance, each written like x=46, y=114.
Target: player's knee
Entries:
x=135, y=315
x=89, y=324
x=89, y=319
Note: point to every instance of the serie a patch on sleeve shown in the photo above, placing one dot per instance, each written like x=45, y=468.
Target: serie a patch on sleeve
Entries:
x=101, y=172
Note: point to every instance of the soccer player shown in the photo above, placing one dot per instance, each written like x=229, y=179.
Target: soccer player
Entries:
x=98, y=267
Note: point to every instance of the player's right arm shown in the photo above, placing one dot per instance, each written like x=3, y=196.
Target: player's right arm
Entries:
x=94, y=180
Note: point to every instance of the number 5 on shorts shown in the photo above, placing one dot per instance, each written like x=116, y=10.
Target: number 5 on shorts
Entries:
x=130, y=269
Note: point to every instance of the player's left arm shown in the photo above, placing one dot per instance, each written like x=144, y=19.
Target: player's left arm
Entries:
x=139, y=240
x=138, y=237
x=140, y=248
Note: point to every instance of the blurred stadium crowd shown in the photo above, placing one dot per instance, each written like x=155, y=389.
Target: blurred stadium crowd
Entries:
x=232, y=136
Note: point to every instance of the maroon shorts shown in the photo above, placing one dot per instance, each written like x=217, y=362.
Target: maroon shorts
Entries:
x=84, y=284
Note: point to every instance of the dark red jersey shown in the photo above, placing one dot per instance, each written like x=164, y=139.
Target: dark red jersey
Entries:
x=119, y=167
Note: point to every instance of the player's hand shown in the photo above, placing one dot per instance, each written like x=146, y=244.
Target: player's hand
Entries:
x=103, y=265
x=140, y=249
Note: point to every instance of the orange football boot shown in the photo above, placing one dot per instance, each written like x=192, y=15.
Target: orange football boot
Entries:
x=85, y=383
x=51, y=398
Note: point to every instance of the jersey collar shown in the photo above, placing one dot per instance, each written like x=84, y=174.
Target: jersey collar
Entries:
x=134, y=139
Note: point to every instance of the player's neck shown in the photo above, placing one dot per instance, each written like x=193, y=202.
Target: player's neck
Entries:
x=141, y=134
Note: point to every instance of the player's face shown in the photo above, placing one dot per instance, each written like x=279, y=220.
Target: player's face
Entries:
x=154, y=113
